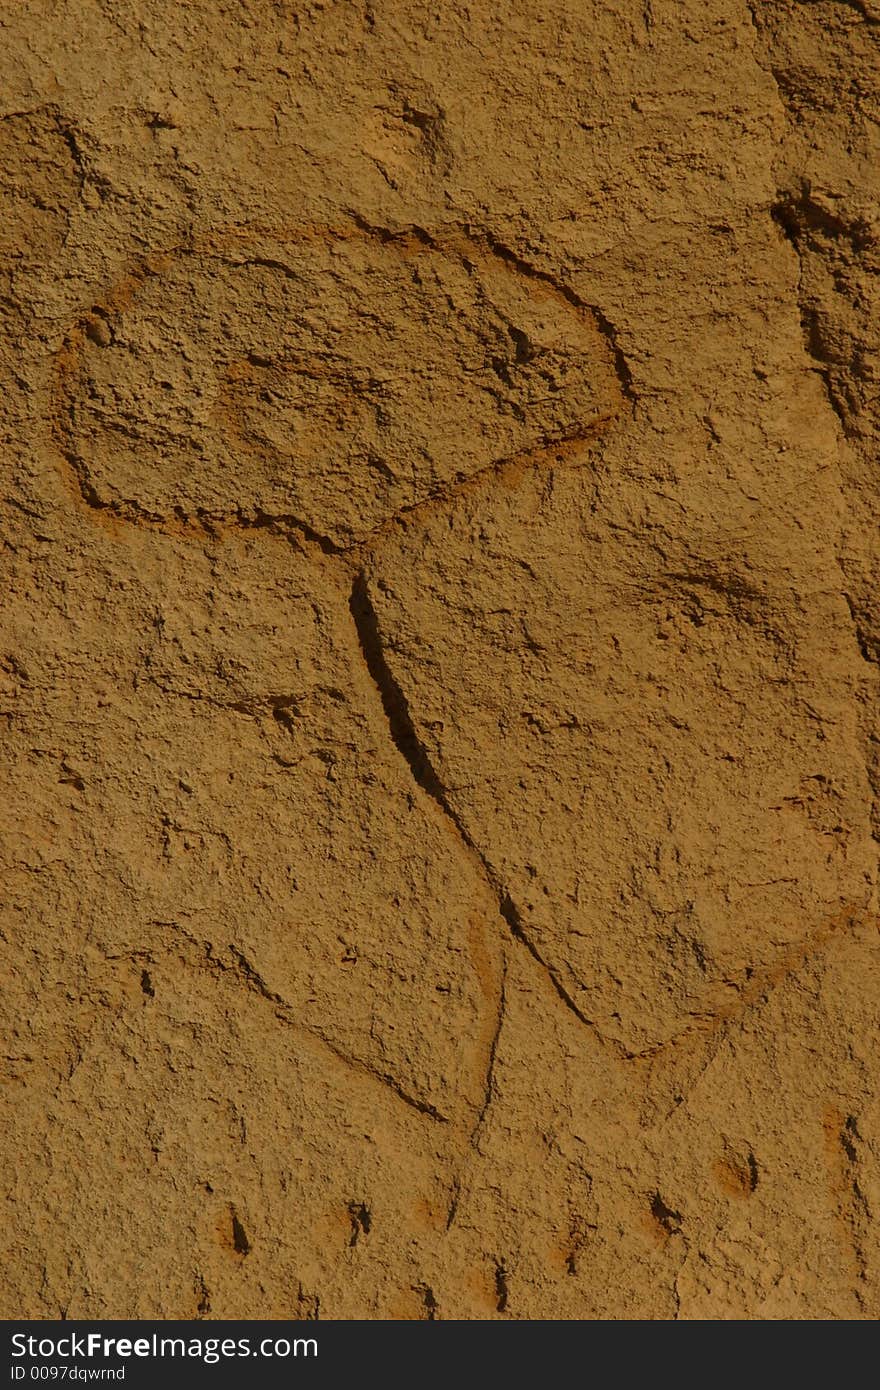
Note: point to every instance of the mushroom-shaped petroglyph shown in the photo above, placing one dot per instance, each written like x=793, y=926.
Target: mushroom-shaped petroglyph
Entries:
x=317, y=382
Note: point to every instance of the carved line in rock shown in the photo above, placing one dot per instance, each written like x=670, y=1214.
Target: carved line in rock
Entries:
x=753, y=988
x=202, y=954
x=405, y=738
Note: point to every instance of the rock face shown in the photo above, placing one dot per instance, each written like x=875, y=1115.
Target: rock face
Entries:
x=440, y=659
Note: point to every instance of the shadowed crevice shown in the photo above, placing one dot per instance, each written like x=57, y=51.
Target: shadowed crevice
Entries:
x=394, y=703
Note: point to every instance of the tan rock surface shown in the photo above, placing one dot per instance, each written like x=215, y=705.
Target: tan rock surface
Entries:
x=440, y=659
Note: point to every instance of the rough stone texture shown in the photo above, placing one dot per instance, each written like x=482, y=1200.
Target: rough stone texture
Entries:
x=440, y=659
